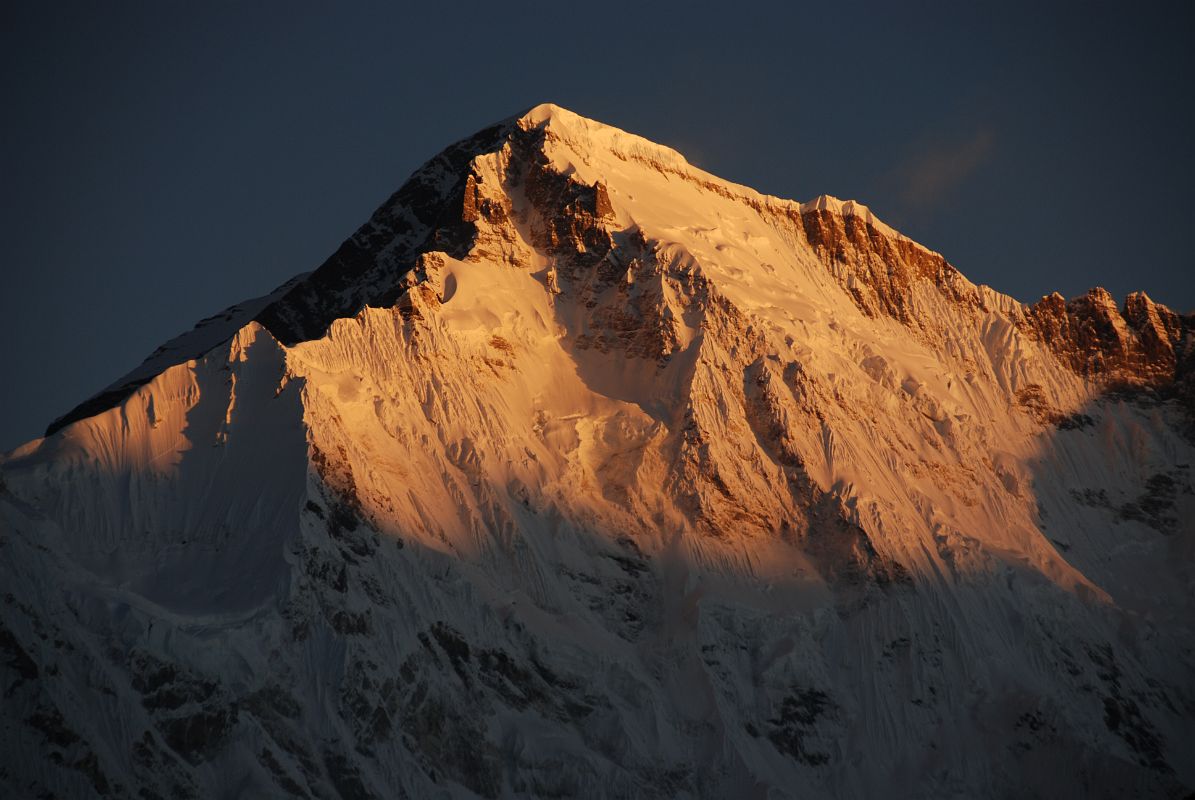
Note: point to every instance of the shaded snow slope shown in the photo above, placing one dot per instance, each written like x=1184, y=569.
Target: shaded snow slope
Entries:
x=579, y=471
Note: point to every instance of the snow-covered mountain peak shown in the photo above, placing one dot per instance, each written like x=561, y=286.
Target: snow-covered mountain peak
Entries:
x=577, y=470
x=545, y=112
x=596, y=141
x=596, y=137
x=435, y=209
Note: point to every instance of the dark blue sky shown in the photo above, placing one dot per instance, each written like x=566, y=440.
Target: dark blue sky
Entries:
x=162, y=161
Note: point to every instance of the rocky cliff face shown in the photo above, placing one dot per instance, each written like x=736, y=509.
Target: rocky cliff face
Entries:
x=1139, y=344
x=579, y=471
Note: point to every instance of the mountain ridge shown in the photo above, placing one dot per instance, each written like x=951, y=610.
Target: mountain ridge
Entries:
x=1069, y=326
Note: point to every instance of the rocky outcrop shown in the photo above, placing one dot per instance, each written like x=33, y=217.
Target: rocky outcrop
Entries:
x=1140, y=344
x=878, y=269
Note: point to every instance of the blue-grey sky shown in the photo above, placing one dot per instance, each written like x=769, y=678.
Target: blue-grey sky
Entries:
x=164, y=160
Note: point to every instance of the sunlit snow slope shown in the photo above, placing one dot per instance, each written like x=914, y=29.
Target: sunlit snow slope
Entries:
x=578, y=471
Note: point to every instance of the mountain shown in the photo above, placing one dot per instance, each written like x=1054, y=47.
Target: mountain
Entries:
x=578, y=471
